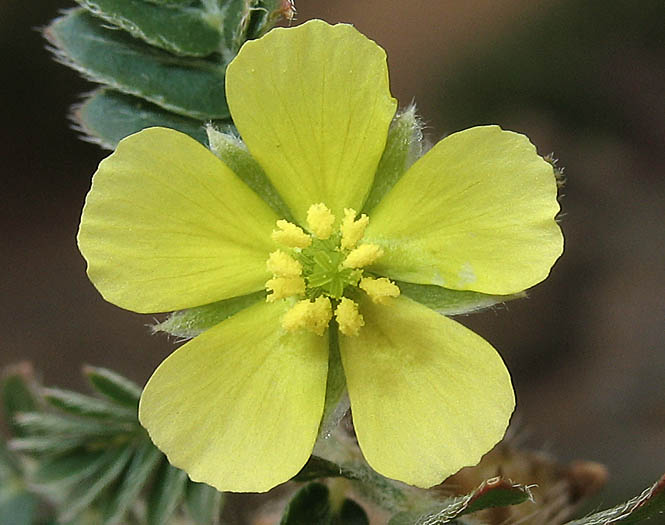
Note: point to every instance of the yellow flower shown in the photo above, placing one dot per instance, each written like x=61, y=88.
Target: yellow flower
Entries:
x=169, y=226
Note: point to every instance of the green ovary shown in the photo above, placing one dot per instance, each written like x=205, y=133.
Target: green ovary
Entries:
x=321, y=268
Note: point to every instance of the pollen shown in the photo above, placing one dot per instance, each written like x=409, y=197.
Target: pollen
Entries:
x=362, y=256
x=290, y=235
x=379, y=290
x=310, y=315
x=281, y=264
x=320, y=220
x=282, y=287
x=349, y=319
x=352, y=230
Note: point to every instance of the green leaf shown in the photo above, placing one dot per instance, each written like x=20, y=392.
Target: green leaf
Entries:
x=166, y=495
x=311, y=504
x=70, y=469
x=180, y=30
x=403, y=147
x=204, y=503
x=108, y=116
x=496, y=492
x=8, y=464
x=233, y=152
x=114, y=386
x=64, y=427
x=453, y=302
x=264, y=14
x=83, y=405
x=351, y=514
x=85, y=493
x=649, y=505
x=145, y=460
x=171, y=2
x=194, y=321
x=46, y=444
x=193, y=88
x=17, y=394
x=17, y=507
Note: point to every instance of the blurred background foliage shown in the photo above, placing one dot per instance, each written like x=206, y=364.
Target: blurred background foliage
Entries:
x=584, y=79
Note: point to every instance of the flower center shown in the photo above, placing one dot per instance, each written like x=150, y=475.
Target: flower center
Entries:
x=321, y=269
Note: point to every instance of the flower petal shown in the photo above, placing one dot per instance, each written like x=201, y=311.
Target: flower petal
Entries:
x=313, y=105
x=475, y=213
x=167, y=226
x=428, y=396
x=239, y=406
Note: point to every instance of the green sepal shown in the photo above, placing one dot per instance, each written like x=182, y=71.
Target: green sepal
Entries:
x=166, y=494
x=337, y=401
x=18, y=395
x=496, y=492
x=194, y=321
x=311, y=504
x=86, y=492
x=113, y=386
x=203, y=503
x=403, y=147
x=233, y=152
x=649, y=505
x=453, y=302
x=144, y=461
x=108, y=116
x=193, y=88
x=179, y=30
x=87, y=406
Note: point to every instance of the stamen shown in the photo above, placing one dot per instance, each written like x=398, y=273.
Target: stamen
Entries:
x=348, y=318
x=290, y=235
x=320, y=220
x=312, y=316
x=352, y=230
x=380, y=290
x=363, y=255
x=282, y=264
x=282, y=287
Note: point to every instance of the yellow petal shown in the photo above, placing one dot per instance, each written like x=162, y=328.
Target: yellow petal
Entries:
x=313, y=105
x=167, y=226
x=428, y=396
x=475, y=213
x=239, y=406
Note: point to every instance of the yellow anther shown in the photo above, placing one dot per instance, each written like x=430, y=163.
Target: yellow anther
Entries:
x=290, y=235
x=352, y=229
x=320, y=220
x=348, y=318
x=380, y=290
x=363, y=255
x=282, y=287
x=312, y=316
x=282, y=264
